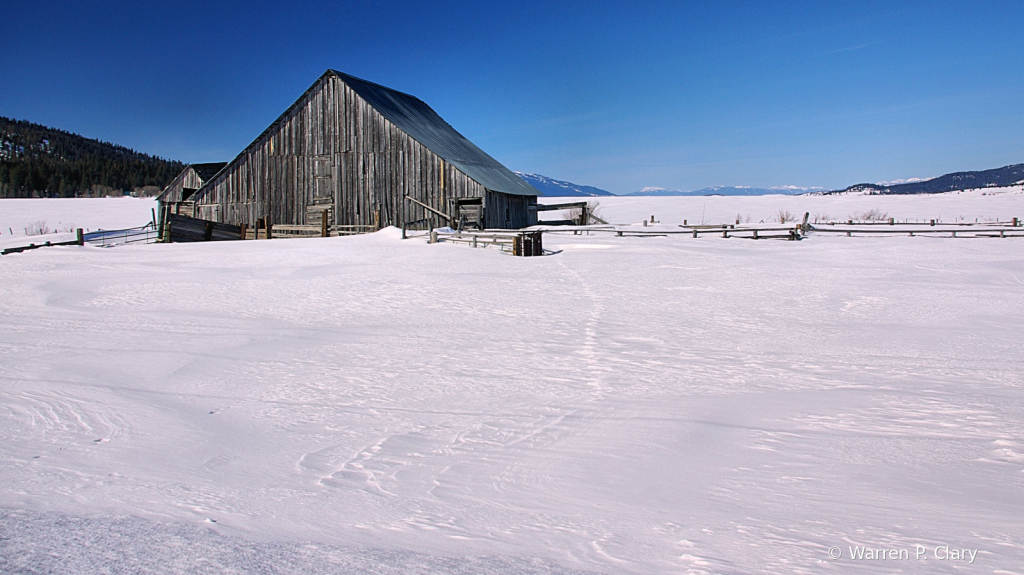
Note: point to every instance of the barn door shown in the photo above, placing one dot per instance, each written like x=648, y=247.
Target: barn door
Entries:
x=323, y=182
x=320, y=201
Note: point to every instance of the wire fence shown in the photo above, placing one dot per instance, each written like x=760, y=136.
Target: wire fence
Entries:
x=146, y=234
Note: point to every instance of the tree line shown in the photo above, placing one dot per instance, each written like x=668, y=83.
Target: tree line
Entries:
x=37, y=161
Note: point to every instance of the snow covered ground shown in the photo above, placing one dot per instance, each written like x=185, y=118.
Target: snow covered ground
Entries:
x=628, y=405
x=985, y=204
x=22, y=220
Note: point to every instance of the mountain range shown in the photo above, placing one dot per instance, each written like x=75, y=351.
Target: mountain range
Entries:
x=551, y=187
x=727, y=191
x=997, y=177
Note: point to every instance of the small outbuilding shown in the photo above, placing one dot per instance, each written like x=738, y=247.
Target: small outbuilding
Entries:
x=363, y=156
x=178, y=195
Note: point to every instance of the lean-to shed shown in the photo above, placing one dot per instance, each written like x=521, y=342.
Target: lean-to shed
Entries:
x=359, y=154
x=177, y=196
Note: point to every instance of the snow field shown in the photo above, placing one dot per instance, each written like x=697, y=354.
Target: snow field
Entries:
x=22, y=219
x=988, y=204
x=627, y=405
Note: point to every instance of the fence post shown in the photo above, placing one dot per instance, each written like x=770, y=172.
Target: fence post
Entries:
x=270, y=227
x=323, y=224
x=803, y=227
x=517, y=245
x=79, y=237
x=242, y=227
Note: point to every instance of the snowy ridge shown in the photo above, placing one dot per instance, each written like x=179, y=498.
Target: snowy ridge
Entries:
x=904, y=181
x=551, y=187
x=994, y=178
x=727, y=191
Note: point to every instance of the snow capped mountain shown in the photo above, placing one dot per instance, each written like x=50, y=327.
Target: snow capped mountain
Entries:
x=996, y=177
x=552, y=187
x=904, y=181
x=727, y=191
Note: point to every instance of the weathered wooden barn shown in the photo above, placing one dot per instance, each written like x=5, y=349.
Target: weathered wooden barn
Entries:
x=364, y=156
x=177, y=196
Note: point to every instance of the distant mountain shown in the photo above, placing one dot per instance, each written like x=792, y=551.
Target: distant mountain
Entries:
x=727, y=191
x=995, y=178
x=39, y=161
x=550, y=187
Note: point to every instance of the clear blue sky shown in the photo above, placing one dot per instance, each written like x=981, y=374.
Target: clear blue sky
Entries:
x=616, y=95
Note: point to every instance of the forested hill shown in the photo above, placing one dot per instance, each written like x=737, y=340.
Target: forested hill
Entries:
x=998, y=177
x=40, y=161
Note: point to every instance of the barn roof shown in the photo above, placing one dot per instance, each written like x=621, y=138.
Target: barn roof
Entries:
x=207, y=171
x=172, y=193
x=414, y=117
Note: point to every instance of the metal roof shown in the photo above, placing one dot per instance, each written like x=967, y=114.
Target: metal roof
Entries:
x=207, y=171
x=414, y=117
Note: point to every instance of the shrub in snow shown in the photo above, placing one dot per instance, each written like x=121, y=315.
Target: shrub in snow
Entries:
x=872, y=215
x=37, y=228
x=593, y=208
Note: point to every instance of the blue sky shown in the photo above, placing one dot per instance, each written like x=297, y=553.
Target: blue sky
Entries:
x=616, y=95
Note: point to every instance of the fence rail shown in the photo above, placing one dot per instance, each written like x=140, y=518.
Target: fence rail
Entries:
x=518, y=244
x=105, y=238
x=147, y=234
x=998, y=232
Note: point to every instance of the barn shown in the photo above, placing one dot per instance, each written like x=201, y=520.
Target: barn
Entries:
x=177, y=196
x=363, y=156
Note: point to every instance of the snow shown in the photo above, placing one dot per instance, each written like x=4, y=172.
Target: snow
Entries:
x=17, y=216
x=627, y=405
x=903, y=181
x=986, y=204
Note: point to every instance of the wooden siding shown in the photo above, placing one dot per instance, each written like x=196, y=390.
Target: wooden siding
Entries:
x=507, y=211
x=186, y=229
x=331, y=146
x=187, y=179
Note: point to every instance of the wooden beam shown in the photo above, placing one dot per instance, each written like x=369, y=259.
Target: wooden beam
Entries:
x=426, y=207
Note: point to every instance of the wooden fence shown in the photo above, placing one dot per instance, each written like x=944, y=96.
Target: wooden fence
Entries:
x=525, y=244
x=32, y=246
